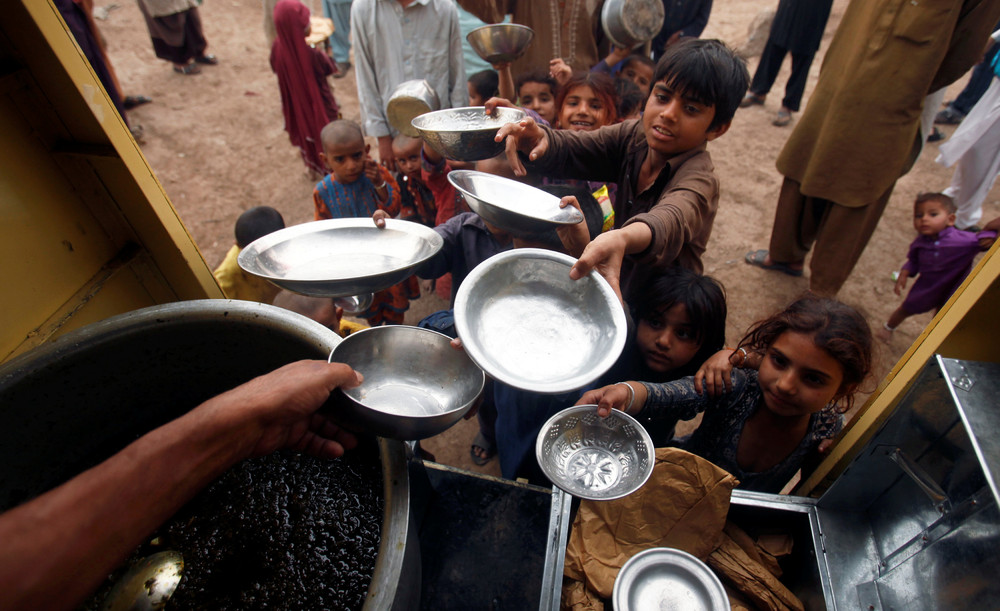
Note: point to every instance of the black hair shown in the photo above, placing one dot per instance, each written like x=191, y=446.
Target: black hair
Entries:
x=630, y=97
x=637, y=59
x=256, y=223
x=486, y=83
x=703, y=299
x=593, y=216
x=835, y=327
x=707, y=71
x=946, y=201
x=536, y=76
x=601, y=84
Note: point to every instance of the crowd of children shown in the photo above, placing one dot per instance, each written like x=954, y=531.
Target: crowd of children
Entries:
x=627, y=141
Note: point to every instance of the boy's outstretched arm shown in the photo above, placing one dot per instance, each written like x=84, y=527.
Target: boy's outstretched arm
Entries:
x=525, y=136
x=606, y=251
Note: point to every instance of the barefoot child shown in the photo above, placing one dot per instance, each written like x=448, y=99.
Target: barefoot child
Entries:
x=356, y=187
x=667, y=189
x=813, y=355
x=942, y=256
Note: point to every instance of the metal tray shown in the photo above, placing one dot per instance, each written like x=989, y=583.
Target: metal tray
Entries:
x=340, y=257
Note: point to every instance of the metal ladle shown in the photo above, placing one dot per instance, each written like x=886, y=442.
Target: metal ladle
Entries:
x=148, y=585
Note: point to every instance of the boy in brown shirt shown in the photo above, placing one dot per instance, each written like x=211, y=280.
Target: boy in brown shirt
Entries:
x=667, y=189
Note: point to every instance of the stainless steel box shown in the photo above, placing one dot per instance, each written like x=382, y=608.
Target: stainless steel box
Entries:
x=913, y=522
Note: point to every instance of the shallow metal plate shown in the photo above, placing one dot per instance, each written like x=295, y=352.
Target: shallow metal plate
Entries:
x=592, y=457
x=465, y=134
x=666, y=578
x=527, y=324
x=512, y=205
x=340, y=257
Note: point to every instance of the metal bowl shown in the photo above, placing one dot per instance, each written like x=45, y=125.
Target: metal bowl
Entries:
x=629, y=23
x=526, y=323
x=409, y=100
x=592, y=457
x=666, y=578
x=465, y=134
x=416, y=385
x=340, y=257
x=500, y=42
x=512, y=205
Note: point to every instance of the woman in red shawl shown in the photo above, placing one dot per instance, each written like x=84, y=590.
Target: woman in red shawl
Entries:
x=306, y=98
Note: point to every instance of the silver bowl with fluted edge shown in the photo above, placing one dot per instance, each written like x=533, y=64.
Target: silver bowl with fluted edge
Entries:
x=527, y=324
x=340, y=257
x=592, y=457
x=500, y=42
x=512, y=205
x=467, y=133
x=415, y=384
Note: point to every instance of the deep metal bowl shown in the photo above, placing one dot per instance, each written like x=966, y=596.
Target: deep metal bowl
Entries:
x=409, y=100
x=592, y=457
x=526, y=323
x=629, y=23
x=340, y=257
x=465, y=134
x=416, y=385
x=667, y=578
x=512, y=205
x=500, y=42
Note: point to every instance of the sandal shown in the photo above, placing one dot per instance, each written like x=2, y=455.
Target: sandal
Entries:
x=784, y=118
x=188, y=69
x=757, y=259
x=131, y=101
x=489, y=449
x=752, y=99
x=208, y=60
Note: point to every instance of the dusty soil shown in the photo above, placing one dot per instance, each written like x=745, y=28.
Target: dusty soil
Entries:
x=217, y=143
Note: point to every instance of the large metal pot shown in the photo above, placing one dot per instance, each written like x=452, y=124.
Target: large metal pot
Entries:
x=629, y=23
x=409, y=100
x=70, y=404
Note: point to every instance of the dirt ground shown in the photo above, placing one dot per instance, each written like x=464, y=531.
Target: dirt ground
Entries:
x=217, y=143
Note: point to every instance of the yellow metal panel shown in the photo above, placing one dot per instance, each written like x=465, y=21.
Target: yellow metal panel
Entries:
x=962, y=329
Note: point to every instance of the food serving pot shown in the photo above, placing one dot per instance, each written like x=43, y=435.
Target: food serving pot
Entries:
x=73, y=402
x=629, y=23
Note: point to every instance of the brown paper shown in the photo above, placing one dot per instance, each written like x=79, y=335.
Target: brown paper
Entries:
x=734, y=566
x=683, y=506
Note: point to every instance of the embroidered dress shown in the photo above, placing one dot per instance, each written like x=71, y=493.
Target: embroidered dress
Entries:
x=718, y=437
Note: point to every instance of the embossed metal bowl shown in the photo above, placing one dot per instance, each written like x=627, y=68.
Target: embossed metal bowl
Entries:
x=667, y=578
x=527, y=324
x=340, y=257
x=500, y=42
x=416, y=385
x=512, y=205
x=465, y=134
x=592, y=457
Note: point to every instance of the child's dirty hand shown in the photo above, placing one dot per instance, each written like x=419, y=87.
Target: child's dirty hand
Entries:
x=525, y=136
x=372, y=172
x=574, y=237
x=379, y=218
x=560, y=70
x=618, y=396
x=713, y=376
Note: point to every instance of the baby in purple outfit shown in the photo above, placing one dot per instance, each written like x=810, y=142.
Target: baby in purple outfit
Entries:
x=941, y=257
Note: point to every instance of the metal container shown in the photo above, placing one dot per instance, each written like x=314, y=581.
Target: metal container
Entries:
x=592, y=457
x=500, y=42
x=527, y=324
x=511, y=205
x=416, y=385
x=409, y=100
x=913, y=523
x=629, y=23
x=73, y=402
x=466, y=134
x=340, y=257
x=667, y=578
